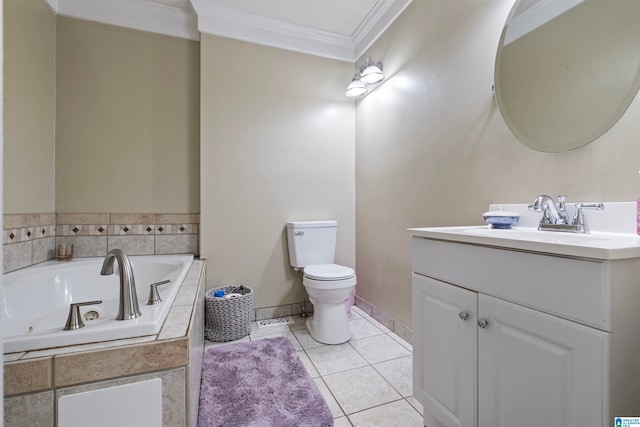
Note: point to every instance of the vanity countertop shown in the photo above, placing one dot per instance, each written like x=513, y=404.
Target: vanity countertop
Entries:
x=597, y=245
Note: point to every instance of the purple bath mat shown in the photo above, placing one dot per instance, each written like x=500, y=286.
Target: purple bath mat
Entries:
x=259, y=384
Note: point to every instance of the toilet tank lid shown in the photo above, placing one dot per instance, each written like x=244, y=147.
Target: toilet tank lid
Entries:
x=311, y=224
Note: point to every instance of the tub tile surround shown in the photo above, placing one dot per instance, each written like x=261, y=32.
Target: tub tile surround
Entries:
x=35, y=380
x=30, y=239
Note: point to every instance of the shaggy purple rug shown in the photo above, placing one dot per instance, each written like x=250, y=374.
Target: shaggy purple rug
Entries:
x=259, y=384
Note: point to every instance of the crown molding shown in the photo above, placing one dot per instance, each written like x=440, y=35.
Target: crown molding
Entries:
x=53, y=5
x=376, y=22
x=212, y=18
x=226, y=22
x=136, y=14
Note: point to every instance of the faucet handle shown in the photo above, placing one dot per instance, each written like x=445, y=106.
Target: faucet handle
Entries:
x=579, y=221
x=561, y=200
x=154, y=295
x=74, y=320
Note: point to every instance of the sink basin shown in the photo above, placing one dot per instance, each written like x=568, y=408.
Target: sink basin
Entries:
x=601, y=246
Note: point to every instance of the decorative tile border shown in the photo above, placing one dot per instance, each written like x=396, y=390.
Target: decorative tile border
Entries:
x=31, y=238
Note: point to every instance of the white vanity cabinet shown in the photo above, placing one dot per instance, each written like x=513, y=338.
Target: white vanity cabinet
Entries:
x=507, y=338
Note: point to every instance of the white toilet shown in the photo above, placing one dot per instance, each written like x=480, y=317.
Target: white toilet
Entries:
x=312, y=247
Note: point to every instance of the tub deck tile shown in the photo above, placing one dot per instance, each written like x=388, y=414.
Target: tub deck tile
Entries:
x=129, y=360
x=23, y=377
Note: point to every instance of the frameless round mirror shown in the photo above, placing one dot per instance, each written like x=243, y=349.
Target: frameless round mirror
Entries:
x=567, y=70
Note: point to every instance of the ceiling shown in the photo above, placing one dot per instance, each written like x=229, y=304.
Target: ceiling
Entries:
x=339, y=29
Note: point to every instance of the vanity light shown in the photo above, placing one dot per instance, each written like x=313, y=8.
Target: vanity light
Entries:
x=368, y=73
x=356, y=87
x=372, y=73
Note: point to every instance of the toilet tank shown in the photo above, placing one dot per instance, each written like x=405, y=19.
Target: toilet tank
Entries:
x=311, y=242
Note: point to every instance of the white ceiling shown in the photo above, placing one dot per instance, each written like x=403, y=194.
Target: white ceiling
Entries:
x=340, y=29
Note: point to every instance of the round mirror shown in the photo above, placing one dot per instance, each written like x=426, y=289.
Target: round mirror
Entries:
x=567, y=70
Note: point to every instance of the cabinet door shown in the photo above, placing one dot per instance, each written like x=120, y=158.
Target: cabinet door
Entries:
x=445, y=351
x=539, y=370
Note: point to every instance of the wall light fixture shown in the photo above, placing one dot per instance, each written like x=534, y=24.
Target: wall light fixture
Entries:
x=368, y=73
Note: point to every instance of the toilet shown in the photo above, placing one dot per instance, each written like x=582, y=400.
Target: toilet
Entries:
x=312, y=248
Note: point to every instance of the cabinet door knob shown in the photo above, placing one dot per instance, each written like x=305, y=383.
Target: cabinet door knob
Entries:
x=463, y=315
x=482, y=323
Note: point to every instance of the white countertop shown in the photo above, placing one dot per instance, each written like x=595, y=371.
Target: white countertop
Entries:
x=597, y=245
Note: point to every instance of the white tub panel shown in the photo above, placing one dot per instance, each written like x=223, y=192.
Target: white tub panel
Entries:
x=137, y=404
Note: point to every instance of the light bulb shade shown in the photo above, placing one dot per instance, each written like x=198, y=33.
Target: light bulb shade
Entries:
x=372, y=74
x=355, y=88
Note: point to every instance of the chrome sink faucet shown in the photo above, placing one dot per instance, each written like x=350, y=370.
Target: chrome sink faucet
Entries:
x=128, y=305
x=554, y=217
x=551, y=213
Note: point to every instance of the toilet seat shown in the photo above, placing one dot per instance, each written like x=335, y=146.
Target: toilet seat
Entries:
x=328, y=272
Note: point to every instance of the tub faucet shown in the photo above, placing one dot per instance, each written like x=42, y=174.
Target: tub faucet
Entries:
x=128, y=304
x=551, y=213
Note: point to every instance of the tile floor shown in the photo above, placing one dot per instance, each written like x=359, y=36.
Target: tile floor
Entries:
x=366, y=381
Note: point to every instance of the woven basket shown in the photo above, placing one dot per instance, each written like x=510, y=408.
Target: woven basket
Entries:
x=228, y=319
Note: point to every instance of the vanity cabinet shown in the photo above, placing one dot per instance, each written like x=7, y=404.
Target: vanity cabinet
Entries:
x=501, y=337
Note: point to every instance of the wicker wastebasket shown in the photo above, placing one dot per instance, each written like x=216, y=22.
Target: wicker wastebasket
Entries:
x=228, y=319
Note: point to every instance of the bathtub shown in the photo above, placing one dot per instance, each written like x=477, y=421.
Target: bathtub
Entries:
x=37, y=299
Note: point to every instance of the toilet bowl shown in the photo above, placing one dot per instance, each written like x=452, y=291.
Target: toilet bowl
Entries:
x=329, y=285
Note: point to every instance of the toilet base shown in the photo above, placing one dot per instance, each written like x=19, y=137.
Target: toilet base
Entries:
x=330, y=323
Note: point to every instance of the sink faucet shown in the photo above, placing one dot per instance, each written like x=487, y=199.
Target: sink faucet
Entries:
x=554, y=217
x=128, y=304
x=551, y=213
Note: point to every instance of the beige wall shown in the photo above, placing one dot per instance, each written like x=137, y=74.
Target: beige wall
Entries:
x=277, y=145
x=29, y=105
x=127, y=128
x=433, y=150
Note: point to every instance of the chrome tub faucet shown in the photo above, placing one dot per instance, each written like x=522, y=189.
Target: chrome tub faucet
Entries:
x=128, y=305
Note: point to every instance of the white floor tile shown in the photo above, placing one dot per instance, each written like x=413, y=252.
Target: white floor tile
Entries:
x=341, y=422
x=306, y=340
x=289, y=335
x=209, y=344
x=401, y=341
x=313, y=372
x=359, y=311
x=394, y=414
x=399, y=374
x=335, y=409
x=300, y=323
x=330, y=359
x=417, y=405
x=379, y=325
x=269, y=330
x=359, y=389
x=363, y=328
x=379, y=348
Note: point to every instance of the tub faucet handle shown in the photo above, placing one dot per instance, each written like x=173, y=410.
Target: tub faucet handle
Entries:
x=74, y=320
x=154, y=295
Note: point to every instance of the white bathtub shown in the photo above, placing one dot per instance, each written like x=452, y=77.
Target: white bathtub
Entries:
x=37, y=299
